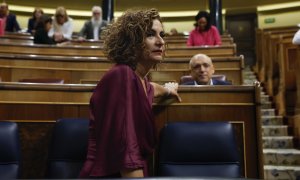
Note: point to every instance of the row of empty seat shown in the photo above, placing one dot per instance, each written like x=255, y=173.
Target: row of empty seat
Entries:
x=187, y=149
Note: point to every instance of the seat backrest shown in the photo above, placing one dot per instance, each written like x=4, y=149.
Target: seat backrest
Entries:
x=68, y=148
x=220, y=77
x=43, y=80
x=187, y=78
x=204, y=149
x=9, y=150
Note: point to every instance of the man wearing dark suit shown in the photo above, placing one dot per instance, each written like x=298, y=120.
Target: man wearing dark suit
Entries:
x=92, y=28
x=10, y=20
x=202, y=70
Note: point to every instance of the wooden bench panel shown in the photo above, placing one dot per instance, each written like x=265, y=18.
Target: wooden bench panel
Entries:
x=75, y=76
x=29, y=40
x=212, y=51
x=175, y=43
x=17, y=39
x=69, y=50
x=182, y=36
x=54, y=61
x=103, y=63
x=88, y=42
x=230, y=66
x=171, y=43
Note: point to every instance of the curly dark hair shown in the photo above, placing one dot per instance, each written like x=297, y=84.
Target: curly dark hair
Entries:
x=200, y=15
x=124, y=39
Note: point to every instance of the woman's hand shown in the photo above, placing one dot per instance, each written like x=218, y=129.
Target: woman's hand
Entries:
x=169, y=89
x=172, y=88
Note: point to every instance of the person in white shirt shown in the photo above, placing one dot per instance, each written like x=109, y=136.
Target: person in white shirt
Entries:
x=93, y=27
x=296, y=39
x=62, y=28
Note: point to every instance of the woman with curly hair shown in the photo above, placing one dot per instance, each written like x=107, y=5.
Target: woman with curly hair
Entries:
x=121, y=132
x=204, y=33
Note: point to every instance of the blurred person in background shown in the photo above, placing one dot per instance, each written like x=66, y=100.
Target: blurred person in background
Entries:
x=93, y=27
x=9, y=20
x=204, y=33
x=43, y=25
x=32, y=22
x=62, y=28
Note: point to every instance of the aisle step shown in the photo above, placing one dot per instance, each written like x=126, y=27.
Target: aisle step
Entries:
x=280, y=142
x=275, y=130
x=281, y=172
x=268, y=112
x=272, y=120
x=282, y=157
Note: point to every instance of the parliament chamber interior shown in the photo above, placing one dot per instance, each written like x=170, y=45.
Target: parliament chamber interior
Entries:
x=249, y=129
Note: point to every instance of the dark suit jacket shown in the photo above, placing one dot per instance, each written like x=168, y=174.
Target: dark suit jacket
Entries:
x=87, y=30
x=12, y=24
x=41, y=37
x=31, y=25
x=215, y=82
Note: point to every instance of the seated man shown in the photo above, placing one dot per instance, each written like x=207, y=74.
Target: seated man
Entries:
x=202, y=70
x=93, y=28
x=9, y=19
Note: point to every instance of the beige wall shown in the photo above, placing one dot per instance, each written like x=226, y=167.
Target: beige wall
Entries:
x=282, y=18
x=182, y=26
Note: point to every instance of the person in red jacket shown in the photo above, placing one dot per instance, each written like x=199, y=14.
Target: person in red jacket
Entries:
x=204, y=33
x=8, y=19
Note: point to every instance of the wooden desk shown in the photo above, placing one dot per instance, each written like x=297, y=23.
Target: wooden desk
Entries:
x=16, y=39
x=71, y=50
x=212, y=51
x=232, y=67
x=26, y=60
x=178, y=42
x=67, y=50
x=84, y=75
x=182, y=36
x=175, y=43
